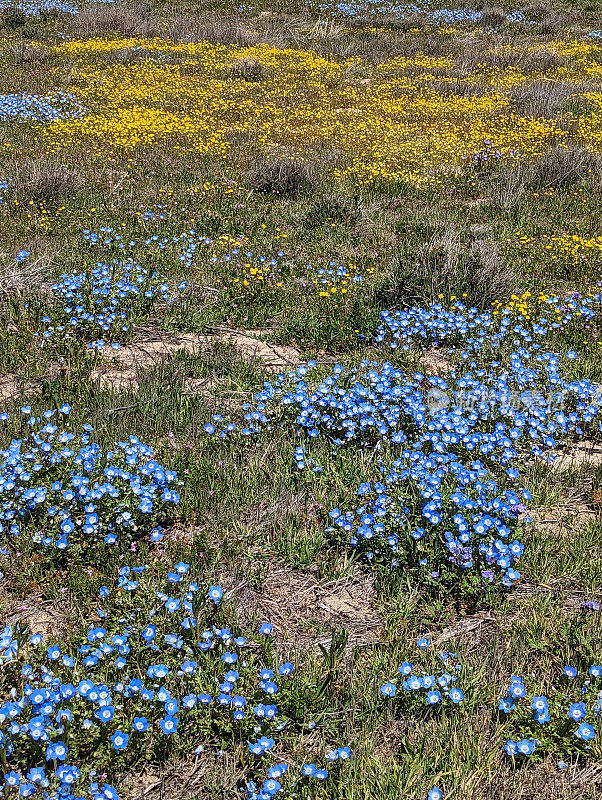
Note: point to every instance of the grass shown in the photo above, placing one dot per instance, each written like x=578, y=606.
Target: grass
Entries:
x=303, y=171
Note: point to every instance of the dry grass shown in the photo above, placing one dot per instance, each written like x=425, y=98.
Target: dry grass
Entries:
x=563, y=166
x=304, y=609
x=20, y=52
x=134, y=20
x=247, y=69
x=545, y=782
x=509, y=188
x=287, y=176
x=219, y=29
x=45, y=180
x=453, y=264
x=203, y=775
x=493, y=17
x=332, y=208
x=543, y=98
x=12, y=19
x=22, y=278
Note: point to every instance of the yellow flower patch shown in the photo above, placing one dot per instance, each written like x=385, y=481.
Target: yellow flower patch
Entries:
x=388, y=122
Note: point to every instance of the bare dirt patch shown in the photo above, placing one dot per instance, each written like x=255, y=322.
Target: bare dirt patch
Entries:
x=123, y=369
x=10, y=388
x=577, y=455
x=562, y=519
x=469, y=630
x=192, y=777
x=436, y=362
x=545, y=781
x=304, y=610
x=42, y=616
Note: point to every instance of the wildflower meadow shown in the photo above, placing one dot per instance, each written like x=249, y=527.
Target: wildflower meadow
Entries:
x=300, y=400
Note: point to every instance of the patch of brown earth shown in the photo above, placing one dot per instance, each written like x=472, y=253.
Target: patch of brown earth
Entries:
x=573, y=599
x=304, y=610
x=577, y=455
x=544, y=781
x=435, y=362
x=469, y=630
x=563, y=518
x=206, y=774
x=122, y=369
x=10, y=388
x=42, y=616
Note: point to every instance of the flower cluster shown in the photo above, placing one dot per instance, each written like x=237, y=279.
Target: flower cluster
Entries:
x=432, y=689
x=433, y=16
x=563, y=722
x=337, y=280
x=527, y=319
x=435, y=518
x=302, y=460
x=35, y=8
x=566, y=250
x=5, y=185
x=66, y=491
x=104, y=302
x=24, y=107
x=186, y=243
x=403, y=132
x=250, y=272
x=171, y=671
x=437, y=508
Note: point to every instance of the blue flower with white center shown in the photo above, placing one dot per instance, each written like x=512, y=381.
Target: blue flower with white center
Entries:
x=271, y=786
x=171, y=707
x=157, y=671
x=105, y=713
x=517, y=688
x=56, y=751
x=38, y=776
x=539, y=704
x=456, y=695
x=526, y=747
x=278, y=770
x=119, y=740
x=68, y=774
x=229, y=658
x=577, y=711
x=168, y=725
x=149, y=633
x=585, y=732
x=215, y=594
